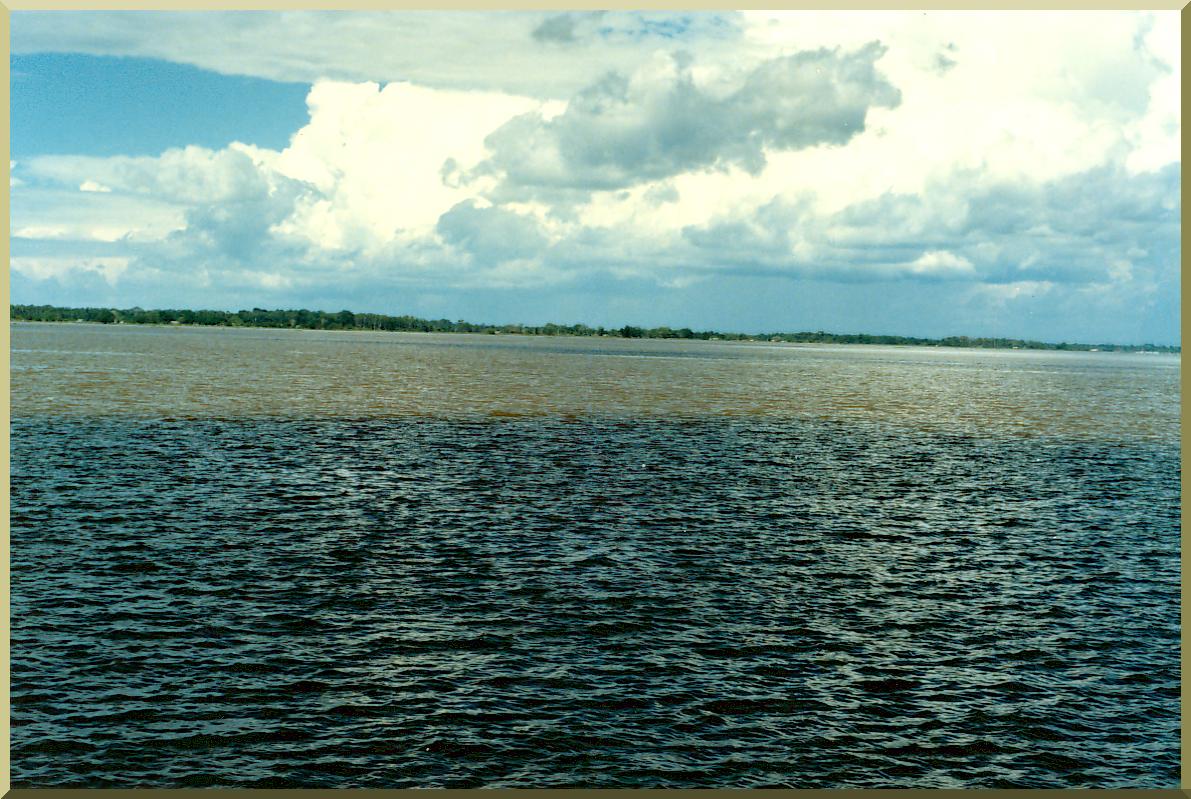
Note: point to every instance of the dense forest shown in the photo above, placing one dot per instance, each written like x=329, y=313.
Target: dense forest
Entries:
x=346, y=320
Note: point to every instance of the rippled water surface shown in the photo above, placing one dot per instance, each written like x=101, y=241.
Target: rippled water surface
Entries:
x=290, y=558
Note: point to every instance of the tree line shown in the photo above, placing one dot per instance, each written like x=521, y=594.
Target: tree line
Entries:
x=347, y=320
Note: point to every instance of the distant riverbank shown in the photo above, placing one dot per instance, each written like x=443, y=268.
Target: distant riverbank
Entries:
x=347, y=320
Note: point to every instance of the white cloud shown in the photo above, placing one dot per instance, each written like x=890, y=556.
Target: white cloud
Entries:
x=376, y=157
x=274, y=280
x=667, y=119
x=941, y=263
x=73, y=233
x=45, y=212
x=1155, y=138
x=57, y=268
x=1031, y=96
x=484, y=51
x=183, y=175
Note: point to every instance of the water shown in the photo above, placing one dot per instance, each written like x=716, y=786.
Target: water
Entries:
x=287, y=558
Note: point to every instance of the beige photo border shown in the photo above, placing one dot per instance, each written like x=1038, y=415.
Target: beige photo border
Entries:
x=528, y=5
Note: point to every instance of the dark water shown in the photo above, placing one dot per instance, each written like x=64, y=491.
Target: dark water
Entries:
x=602, y=600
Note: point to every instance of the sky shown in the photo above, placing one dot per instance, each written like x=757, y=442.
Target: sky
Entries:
x=905, y=173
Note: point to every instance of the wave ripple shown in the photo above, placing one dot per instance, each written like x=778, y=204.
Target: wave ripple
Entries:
x=540, y=602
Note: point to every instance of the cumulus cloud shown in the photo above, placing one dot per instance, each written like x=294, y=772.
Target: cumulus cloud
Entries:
x=941, y=263
x=375, y=157
x=1154, y=138
x=768, y=234
x=241, y=229
x=40, y=212
x=625, y=130
x=109, y=269
x=1080, y=229
x=492, y=233
x=183, y=175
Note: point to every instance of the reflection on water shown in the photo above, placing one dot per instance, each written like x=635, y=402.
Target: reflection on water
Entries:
x=262, y=558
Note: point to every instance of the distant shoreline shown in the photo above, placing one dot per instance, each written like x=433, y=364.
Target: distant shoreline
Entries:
x=303, y=319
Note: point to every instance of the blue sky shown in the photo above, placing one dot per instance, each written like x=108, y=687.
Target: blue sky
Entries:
x=887, y=173
x=118, y=105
